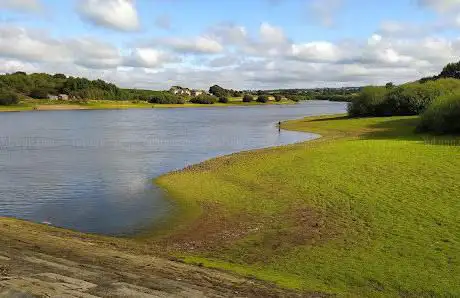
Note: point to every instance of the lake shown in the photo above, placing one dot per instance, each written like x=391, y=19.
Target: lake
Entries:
x=92, y=171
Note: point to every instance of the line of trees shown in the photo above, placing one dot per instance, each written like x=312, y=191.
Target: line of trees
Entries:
x=436, y=99
x=42, y=85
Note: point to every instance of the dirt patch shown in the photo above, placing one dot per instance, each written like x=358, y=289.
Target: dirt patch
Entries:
x=214, y=229
x=59, y=107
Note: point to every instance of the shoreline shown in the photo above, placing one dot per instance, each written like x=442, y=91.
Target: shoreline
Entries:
x=233, y=223
x=124, y=106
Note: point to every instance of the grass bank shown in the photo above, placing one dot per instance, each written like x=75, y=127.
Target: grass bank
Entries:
x=370, y=209
x=49, y=105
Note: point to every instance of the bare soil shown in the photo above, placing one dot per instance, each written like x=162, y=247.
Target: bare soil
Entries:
x=42, y=261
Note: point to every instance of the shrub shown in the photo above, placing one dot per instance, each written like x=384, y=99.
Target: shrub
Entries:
x=262, y=98
x=295, y=97
x=248, y=98
x=39, y=93
x=368, y=102
x=223, y=99
x=204, y=99
x=443, y=116
x=278, y=98
x=411, y=99
x=8, y=98
x=166, y=98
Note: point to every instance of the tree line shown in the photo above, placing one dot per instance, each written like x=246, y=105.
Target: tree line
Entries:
x=436, y=99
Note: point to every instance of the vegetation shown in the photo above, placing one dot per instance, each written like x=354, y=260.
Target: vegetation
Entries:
x=262, y=98
x=408, y=99
x=278, y=98
x=368, y=102
x=248, y=98
x=204, y=99
x=296, y=215
x=223, y=99
x=443, y=116
x=40, y=85
x=218, y=91
x=8, y=98
x=167, y=98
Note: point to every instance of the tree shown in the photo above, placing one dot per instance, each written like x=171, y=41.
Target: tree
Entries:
x=60, y=76
x=8, y=98
x=262, y=98
x=278, y=98
x=451, y=70
x=389, y=85
x=204, y=99
x=248, y=98
x=39, y=93
x=218, y=91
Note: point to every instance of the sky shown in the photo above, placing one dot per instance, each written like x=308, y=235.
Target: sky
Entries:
x=238, y=44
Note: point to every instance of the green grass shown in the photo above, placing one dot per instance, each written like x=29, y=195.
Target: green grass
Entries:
x=370, y=209
x=30, y=104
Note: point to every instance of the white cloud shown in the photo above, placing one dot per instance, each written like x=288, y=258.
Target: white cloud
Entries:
x=320, y=51
x=197, y=45
x=95, y=54
x=19, y=43
x=114, y=14
x=29, y=46
x=21, y=5
x=271, y=34
x=148, y=58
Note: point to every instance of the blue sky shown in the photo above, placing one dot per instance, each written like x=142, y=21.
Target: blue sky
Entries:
x=240, y=44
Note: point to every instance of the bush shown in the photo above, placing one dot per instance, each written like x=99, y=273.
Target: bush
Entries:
x=39, y=93
x=262, y=98
x=278, y=98
x=408, y=99
x=248, y=98
x=8, y=98
x=443, y=116
x=411, y=99
x=166, y=98
x=204, y=99
x=368, y=102
x=223, y=99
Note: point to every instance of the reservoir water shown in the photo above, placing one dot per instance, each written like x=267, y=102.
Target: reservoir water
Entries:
x=92, y=171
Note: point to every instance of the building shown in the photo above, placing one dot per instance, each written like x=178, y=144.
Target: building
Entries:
x=63, y=97
x=177, y=90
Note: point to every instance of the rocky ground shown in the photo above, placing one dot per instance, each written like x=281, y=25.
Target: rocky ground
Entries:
x=40, y=261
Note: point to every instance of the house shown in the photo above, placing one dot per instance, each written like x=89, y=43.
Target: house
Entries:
x=53, y=97
x=197, y=93
x=180, y=91
x=177, y=90
x=63, y=97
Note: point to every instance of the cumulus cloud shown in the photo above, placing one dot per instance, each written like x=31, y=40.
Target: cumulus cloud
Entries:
x=196, y=45
x=271, y=34
x=21, y=5
x=30, y=46
x=148, y=58
x=114, y=14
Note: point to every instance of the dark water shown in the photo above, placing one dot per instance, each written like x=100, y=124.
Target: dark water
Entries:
x=92, y=170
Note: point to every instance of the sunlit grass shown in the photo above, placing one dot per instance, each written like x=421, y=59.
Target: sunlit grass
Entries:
x=371, y=209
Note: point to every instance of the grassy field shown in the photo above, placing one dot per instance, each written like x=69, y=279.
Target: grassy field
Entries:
x=370, y=209
x=46, y=105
